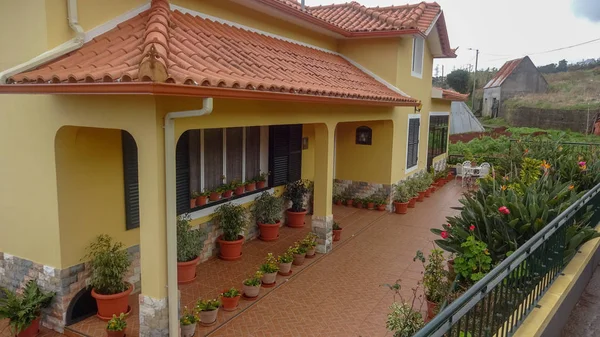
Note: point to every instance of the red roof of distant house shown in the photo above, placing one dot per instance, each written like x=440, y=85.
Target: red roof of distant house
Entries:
x=448, y=94
x=188, y=53
x=503, y=73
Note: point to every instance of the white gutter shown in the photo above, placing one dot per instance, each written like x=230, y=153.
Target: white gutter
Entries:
x=67, y=47
x=171, y=211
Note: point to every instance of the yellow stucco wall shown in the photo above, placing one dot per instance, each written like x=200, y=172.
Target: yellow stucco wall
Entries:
x=89, y=173
x=378, y=55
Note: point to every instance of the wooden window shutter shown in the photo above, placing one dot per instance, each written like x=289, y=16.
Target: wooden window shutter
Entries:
x=295, y=158
x=131, y=181
x=285, y=154
x=412, y=155
x=182, y=172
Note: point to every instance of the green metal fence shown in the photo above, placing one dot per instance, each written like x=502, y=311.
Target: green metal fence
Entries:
x=498, y=303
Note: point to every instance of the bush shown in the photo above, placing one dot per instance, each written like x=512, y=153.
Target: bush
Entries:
x=296, y=192
x=267, y=208
x=232, y=219
x=189, y=242
x=110, y=262
x=401, y=193
x=22, y=310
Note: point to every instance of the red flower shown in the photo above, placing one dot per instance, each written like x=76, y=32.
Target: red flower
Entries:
x=504, y=210
x=472, y=228
x=444, y=235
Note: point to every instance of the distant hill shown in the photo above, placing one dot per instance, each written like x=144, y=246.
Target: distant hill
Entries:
x=570, y=90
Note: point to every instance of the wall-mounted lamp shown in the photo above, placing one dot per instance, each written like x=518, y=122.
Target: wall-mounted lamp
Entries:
x=419, y=107
x=364, y=135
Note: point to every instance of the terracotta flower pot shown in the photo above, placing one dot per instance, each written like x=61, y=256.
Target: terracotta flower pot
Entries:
x=285, y=268
x=230, y=250
x=269, y=232
x=230, y=303
x=188, y=330
x=412, y=203
x=269, y=278
x=32, y=330
x=338, y=202
x=401, y=207
x=227, y=194
x=381, y=207
x=261, y=184
x=371, y=205
x=201, y=200
x=208, y=317
x=433, y=188
x=299, y=259
x=109, y=305
x=358, y=205
x=251, y=291
x=215, y=196
x=337, y=234
x=432, y=309
x=239, y=190
x=428, y=193
x=250, y=187
x=295, y=219
x=193, y=203
x=421, y=196
x=349, y=202
x=122, y=333
x=186, y=271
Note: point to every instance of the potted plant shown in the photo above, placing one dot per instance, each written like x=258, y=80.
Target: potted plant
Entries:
x=215, y=195
x=299, y=254
x=421, y=186
x=267, y=211
x=348, y=196
x=227, y=190
x=269, y=271
x=238, y=187
x=232, y=220
x=411, y=185
x=193, y=199
x=109, y=262
x=252, y=285
x=285, y=262
x=208, y=310
x=250, y=185
x=116, y=326
x=189, y=246
x=24, y=311
x=261, y=180
x=310, y=241
x=337, y=232
x=435, y=280
x=370, y=202
x=230, y=299
x=187, y=322
x=338, y=200
x=296, y=192
x=202, y=198
x=358, y=203
x=401, y=198
x=380, y=204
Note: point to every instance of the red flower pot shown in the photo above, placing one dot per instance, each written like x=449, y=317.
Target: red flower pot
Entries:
x=115, y=333
x=109, y=305
x=239, y=190
x=215, y=196
x=428, y=193
x=269, y=232
x=193, y=203
x=381, y=207
x=401, y=207
x=186, y=271
x=230, y=250
x=295, y=219
x=412, y=203
x=250, y=187
x=433, y=188
x=261, y=184
x=201, y=200
x=358, y=205
x=230, y=303
x=32, y=330
x=338, y=202
x=349, y=202
x=227, y=194
x=421, y=196
x=432, y=309
x=371, y=205
x=337, y=234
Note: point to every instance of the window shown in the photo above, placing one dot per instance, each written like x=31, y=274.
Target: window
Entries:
x=412, y=144
x=131, y=182
x=438, y=136
x=364, y=135
x=417, y=56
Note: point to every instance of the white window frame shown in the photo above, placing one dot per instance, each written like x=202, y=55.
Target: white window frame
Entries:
x=413, y=71
x=412, y=168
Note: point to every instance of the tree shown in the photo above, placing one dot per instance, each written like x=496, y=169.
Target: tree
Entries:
x=459, y=80
x=562, y=66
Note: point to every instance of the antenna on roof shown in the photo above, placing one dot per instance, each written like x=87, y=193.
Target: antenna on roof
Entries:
x=302, y=5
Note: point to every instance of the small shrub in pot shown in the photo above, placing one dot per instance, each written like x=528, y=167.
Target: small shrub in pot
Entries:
x=401, y=198
x=435, y=280
x=208, y=310
x=296, y=192
x=116, y=326
x=252, y=285
x=23, y=311
x=269, y=270
x=267, y=210
x=232, y=220
x=285, y=262
x=230, y=299
x=337, y=232
x=310, y=241
x=299, y=253
x=189, y=246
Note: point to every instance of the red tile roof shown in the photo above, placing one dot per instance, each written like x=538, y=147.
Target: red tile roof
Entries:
x=503, y=73
x=164, y=46
x=454, y=95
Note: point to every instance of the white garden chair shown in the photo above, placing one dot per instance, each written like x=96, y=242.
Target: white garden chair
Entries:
x=467, y=163
x=485, y=170
x=460, y=172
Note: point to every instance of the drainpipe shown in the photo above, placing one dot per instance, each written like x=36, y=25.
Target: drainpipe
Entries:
x=171, y=211
x=67, y=47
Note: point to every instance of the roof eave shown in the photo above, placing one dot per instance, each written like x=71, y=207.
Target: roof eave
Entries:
x=166, y=89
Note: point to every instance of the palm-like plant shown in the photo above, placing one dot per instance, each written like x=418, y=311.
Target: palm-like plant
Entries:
x=22, y=310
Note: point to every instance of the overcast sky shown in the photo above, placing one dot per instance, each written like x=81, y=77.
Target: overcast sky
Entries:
x=507, y=29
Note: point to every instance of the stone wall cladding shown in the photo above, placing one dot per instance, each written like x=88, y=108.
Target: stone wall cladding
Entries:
x=154, y=316
x=15, y=272
x=323, y=227
x=361, y=189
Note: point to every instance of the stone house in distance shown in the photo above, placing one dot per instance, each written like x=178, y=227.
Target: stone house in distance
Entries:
x=514, y=78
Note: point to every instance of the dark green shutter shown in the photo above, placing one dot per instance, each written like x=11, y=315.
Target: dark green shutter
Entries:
x=412, y=155
x=285, y=154
x=295, y=159
x=182, y=172
x=131, y=181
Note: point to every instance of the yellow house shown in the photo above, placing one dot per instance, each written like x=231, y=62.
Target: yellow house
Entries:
x=126, y=107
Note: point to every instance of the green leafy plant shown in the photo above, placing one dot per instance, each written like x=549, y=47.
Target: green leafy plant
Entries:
x=231, y=293
x=254, y=280
x=336, y=226
x=270, y=265
x=401, y=193
x=110, y=262
x=267, y=208
x=207, y=305
x=310, y=241
x=435, y=277
x=195, y=194
x=405, y=318
x=232, y=220
x=189, y=241
x=117, y=323
x=296, y=193
x=286, y=257
x=299, y=248
x=22, y=310
x=263, y=176
x=474, y=262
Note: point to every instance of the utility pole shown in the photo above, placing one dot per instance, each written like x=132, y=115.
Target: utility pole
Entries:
x=474, y=78
x=443, y=85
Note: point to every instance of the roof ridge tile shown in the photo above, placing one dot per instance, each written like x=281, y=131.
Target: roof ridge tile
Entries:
x=154, y=64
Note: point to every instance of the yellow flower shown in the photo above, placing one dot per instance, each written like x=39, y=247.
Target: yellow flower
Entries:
x=571, y=187
x=503, y=187
x=486, y=252
x=560, y=148
x=546, y=165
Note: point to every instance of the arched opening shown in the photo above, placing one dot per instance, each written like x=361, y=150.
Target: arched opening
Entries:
x=82, y=306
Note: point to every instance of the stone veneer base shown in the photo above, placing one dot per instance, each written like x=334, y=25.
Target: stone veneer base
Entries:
x=154, y=316
x=323, y=227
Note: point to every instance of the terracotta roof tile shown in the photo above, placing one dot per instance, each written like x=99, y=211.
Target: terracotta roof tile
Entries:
x=160, y=45
x=453, y=95
x=503, y=73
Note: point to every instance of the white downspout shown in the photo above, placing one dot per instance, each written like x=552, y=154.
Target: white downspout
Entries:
x=67, y=47
x=171, y=205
